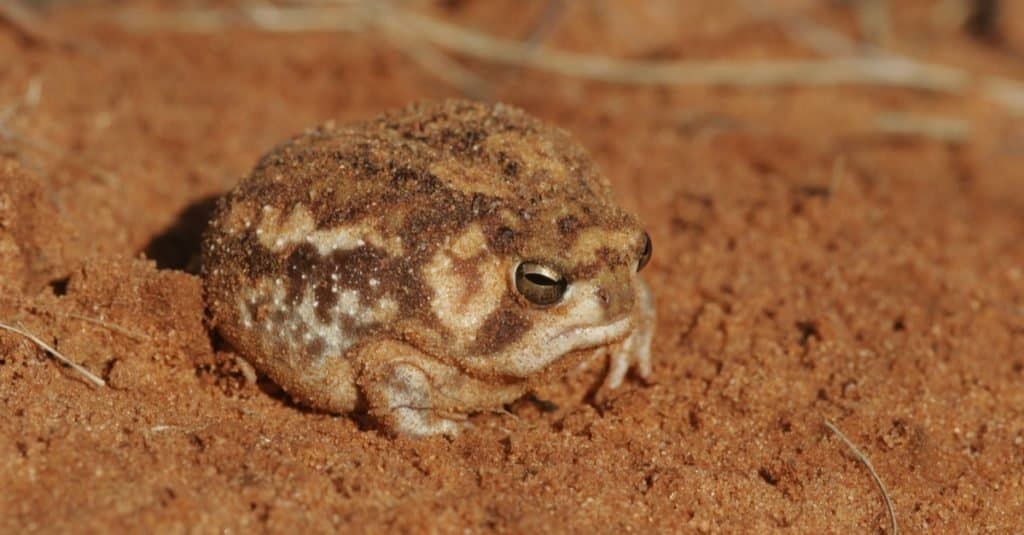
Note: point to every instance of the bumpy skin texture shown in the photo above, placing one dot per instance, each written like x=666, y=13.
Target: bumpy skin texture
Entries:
x=372, y=266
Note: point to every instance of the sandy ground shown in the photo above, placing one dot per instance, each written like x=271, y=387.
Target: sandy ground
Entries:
x=810, y=263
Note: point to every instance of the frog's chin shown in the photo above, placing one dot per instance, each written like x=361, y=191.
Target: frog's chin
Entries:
x=542, y=350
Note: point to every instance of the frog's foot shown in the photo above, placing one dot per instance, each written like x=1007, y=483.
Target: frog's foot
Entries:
x=635, y=350
x=402, y=403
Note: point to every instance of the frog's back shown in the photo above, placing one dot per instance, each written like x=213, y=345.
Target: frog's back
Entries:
x=428, y=155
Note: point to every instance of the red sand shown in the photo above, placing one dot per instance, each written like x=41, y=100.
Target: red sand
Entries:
x=807, y=266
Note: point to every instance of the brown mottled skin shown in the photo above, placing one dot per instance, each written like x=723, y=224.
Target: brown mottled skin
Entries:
x=444, y=200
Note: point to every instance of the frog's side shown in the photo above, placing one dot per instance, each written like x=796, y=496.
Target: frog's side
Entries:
x=377, y=266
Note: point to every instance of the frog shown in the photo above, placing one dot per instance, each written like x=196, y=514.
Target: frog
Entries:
x=434, y=262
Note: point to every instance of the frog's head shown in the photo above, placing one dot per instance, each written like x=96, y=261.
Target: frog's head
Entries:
x=535, y=260
x=533, y=282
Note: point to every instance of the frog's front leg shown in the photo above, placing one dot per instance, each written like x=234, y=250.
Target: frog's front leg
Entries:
x=401, y=394
x=635, y=350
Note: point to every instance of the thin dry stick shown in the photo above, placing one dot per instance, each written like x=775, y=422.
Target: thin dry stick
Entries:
x=1002, y=91
x=56, y=354
x=434, y=61
x=821, y=39
x=347, y=15
x=937, y=128
x=1008, y=93
x=871, y=470
x=439, y=64
x=546, y=23
x=31, y=98
x=138, y=337
x=873, y=18
x=542, y=29
x=25, y=22
x=885, y=71
x=830, y=42
x=134, y=335
x=874, y=71
x=351, y=15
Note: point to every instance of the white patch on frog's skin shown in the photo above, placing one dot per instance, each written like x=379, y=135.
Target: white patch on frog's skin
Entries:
x=336, y=340
x=341, y=239
x=581, y=324
x=352, y=237
x=471, y=243
x=348, y=303
x=303, y=318
x=301, y=228
x=455, y=302
x=275, y=235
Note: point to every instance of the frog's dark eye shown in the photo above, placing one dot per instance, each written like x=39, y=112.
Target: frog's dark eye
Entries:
x=645, y=254
x=540, y=284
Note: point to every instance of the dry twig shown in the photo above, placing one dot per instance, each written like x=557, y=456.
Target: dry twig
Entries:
x=873, y=18
x=435, y=61
x=937, y=128
x=25, y=22
x=801, y=29
x=870, y=71
x=546, y=23
x=94, y=379
x=134, y=335
x=894, y=528
x=138, y=337
x=425, y=31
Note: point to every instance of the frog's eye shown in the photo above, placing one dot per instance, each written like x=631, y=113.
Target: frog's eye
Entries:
x=645, y=255
x=540, y=284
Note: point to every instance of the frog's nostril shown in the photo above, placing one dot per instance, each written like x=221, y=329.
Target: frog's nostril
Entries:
x=615, y=300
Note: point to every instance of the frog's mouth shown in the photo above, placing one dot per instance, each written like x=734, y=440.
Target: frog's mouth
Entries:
x=540, y=352
x=587, y=336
